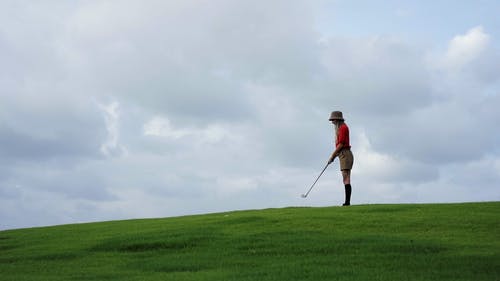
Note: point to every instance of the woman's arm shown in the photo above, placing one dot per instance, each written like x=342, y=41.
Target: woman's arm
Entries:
x=336, y=152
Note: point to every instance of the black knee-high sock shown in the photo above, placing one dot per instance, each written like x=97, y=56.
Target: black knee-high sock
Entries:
x=348, y=191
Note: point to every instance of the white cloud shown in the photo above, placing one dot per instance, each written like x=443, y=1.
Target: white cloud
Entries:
x=160, y=126
x=111, y=146
x=235, y=184
x=463, y=49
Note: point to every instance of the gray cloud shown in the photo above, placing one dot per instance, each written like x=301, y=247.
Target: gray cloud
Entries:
x=379, y=76
x=48, y=129
x=17, y=146
x=198, y=70
x=125, y=109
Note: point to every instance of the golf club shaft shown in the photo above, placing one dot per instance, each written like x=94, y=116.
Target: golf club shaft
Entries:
x=317, y=179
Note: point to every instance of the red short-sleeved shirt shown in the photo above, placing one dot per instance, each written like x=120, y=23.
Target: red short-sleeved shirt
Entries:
x=343, y=136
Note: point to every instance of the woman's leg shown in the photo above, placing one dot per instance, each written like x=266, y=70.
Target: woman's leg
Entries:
x=346, y=175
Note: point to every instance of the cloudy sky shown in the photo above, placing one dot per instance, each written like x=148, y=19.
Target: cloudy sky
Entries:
x=133, y=109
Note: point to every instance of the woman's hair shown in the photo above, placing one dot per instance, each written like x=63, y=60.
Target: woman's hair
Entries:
x=337, y=126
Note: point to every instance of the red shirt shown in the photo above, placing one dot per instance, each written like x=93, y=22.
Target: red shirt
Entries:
x=343, y=136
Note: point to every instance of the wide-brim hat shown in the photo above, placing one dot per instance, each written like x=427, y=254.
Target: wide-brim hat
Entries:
x=336, y=115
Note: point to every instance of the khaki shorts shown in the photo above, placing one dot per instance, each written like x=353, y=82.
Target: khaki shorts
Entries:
x=346, y=159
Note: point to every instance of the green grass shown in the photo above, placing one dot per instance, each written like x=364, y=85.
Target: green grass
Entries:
x=371, y=242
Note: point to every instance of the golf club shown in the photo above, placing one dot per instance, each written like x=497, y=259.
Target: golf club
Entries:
x=305, y=195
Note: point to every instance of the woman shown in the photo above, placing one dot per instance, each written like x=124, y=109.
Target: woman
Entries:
x=343, y=151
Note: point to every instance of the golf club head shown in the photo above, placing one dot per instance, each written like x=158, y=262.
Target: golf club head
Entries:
x=303, y=196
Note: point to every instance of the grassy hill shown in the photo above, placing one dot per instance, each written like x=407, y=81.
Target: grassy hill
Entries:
x=372, y=242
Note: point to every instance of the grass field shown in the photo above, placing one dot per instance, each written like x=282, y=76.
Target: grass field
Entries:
x=371, y=242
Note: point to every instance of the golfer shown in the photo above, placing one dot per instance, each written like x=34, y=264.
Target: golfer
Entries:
x=343, y=152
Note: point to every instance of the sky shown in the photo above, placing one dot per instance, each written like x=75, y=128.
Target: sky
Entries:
x=125, y=109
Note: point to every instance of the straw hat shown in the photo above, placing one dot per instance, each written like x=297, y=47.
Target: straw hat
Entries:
x=336, y=115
